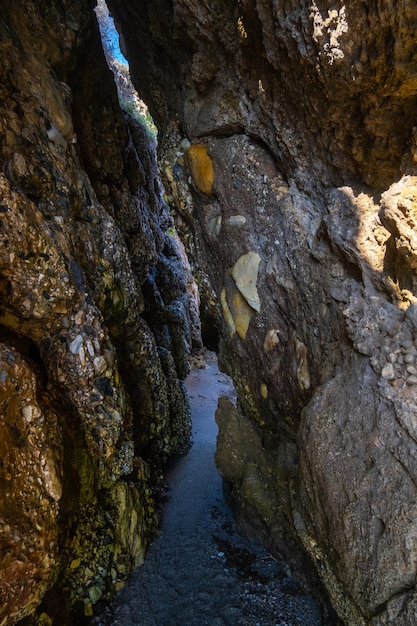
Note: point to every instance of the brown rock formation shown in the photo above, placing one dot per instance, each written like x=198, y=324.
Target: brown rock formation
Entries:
x=91, y=371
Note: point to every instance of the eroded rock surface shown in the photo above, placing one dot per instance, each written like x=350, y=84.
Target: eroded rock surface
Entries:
x=306, y=112
x=31, y=486
x=97, y=320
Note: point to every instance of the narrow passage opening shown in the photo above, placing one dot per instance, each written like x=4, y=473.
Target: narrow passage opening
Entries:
x=200, y=570
x=129, y=99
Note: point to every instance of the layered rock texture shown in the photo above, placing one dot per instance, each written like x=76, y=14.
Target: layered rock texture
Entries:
x=97, y=321
x=289, y=159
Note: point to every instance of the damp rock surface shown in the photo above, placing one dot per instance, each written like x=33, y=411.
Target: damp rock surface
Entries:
x=199, y=570
x=98, y=318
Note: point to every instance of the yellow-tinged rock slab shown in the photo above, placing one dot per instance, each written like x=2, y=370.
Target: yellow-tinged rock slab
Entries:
x=201, y=168
x=240, y=310
x=227, y=314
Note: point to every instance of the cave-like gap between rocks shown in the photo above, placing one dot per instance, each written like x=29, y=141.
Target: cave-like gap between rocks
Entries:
x=307, y=113
x=227, y=577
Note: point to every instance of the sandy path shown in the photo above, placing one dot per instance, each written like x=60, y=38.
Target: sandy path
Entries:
x=199, y=571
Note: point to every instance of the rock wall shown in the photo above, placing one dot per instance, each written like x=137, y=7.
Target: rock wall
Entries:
x=97, y=320
x=288, y=152
x=289, y=157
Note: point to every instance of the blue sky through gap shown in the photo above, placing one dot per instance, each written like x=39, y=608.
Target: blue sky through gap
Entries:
x=109, y=34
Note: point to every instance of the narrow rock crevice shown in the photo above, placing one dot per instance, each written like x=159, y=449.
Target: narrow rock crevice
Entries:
x=199, y=570
x=286, y=161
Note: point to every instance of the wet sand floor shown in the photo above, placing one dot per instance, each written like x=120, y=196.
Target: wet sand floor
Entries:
x=199, y=571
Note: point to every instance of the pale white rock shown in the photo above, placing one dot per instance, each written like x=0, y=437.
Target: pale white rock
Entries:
x=90, y=348
x=245, y=274
x=81, y=355
x=237, y=220
x=388, y=371
x=99, y=364
x=30, y=412
x=76, y=344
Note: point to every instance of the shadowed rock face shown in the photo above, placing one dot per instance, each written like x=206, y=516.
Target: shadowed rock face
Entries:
x=96, y=322
x=306, y=111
